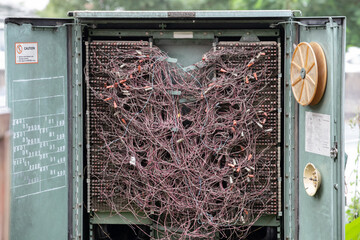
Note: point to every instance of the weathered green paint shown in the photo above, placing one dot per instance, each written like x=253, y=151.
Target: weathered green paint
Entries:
x=37, y=95
x=77, y=130
x=321, y=216
x=129, y=218
x=185, y=51
x=182, y=14
x=122, y=218
x=268, y=220
x=197, y=34
x=289, y=162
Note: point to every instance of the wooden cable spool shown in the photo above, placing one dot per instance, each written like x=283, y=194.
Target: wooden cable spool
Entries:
x=308, y=73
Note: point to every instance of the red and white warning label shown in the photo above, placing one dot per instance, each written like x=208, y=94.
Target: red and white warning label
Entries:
x=26, y=53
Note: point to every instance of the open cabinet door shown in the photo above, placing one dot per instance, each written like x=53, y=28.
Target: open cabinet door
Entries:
x=321, y=137
x=37, y=82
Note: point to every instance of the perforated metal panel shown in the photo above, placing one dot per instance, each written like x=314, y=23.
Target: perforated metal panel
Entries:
x=98, y=166
x=100, y=169
x=271, y=92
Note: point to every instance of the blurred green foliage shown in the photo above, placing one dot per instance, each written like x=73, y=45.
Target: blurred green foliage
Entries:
x=352, y=230
x=353, y=211
x=348, y=8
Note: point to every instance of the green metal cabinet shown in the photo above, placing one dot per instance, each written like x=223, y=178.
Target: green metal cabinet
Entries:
x=45, y=79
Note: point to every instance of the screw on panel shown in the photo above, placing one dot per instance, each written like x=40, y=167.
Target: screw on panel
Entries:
x=336, y=186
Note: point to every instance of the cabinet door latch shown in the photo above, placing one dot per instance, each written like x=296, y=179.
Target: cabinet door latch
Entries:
x=334, y=151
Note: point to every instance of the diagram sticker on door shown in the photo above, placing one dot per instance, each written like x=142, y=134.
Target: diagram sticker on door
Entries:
x=317, y=133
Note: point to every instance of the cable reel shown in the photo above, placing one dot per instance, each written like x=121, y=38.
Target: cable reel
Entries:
x=308, y=73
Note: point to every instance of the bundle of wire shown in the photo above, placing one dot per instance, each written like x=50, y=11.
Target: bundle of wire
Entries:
x=180, y=144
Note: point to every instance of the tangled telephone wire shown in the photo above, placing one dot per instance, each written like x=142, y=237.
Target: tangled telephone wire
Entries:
x=179, y=145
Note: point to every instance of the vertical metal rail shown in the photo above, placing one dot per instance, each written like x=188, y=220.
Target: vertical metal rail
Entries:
x=280, y=132
x=88, y=146
x=342, y=130
x=70, y=129
x=295, y=148
x=77, y=133
x=337, y=77
x=88, y=162
x=289, y=219
x=330, y=29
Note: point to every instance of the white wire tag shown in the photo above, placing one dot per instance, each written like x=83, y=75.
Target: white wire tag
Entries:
x=133, y=161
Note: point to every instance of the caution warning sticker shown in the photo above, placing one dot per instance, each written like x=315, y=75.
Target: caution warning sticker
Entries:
x=26, y=52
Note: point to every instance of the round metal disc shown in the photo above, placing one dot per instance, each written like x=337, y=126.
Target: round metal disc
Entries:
x=311, y=179
x=304, y=73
